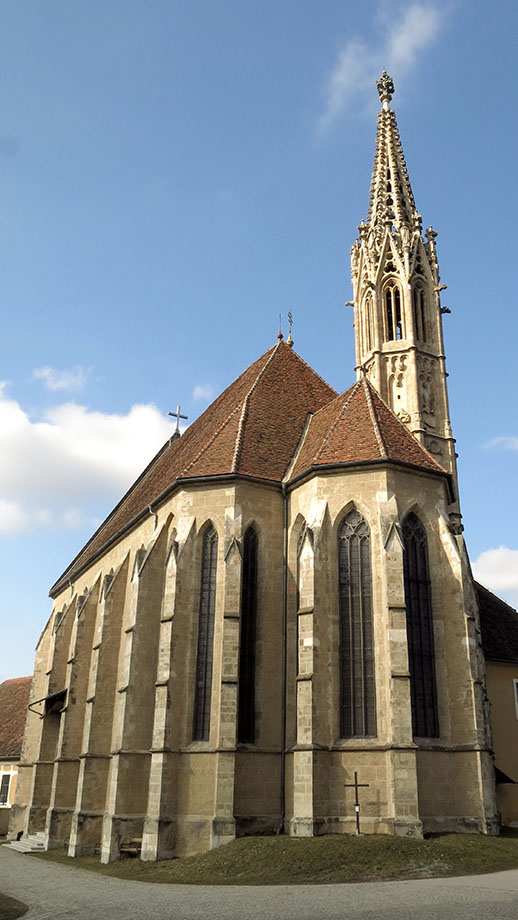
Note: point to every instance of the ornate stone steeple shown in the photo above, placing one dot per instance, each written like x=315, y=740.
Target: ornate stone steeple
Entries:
x=397, y=311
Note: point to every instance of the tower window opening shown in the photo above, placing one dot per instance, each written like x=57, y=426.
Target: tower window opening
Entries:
x=370, y=336
x=418, y=304
x=394, y=323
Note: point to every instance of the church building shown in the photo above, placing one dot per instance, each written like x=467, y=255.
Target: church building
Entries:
x=282, y=600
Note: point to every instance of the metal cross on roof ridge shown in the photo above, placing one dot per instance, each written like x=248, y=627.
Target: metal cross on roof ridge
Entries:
x=177, y=415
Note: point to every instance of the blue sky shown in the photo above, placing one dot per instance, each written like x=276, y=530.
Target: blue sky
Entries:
x=173, y=175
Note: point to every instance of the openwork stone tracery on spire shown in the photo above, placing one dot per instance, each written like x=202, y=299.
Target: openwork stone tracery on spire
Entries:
x=395, y=274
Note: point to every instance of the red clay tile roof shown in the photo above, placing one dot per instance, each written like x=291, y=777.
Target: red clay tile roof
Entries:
x=358, y=426
x=14, y=699
x=499, y=626
x=252, y=429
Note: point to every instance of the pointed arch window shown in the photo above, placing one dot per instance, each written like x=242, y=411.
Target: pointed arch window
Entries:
x=418, y=303
x=367, y=323
x=421, y=659
x=247, y=644
x=357, y=686
x=393, y=315
x=205, y=654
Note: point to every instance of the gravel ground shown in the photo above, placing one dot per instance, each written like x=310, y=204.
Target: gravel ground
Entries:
x=62, y=893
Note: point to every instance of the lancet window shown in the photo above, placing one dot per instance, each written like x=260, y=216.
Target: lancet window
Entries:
x=393, y=315
x=357, y=685
x=367, y=323
x=421, y=659
x=418, y=303
x=205, y=654
x=247, y=645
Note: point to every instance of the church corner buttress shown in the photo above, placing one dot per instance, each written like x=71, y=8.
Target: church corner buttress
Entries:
x=281, y=603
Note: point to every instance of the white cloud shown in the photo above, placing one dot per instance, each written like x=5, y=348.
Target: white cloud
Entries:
x=62, y=469
x=497, y=569
x=506, y=443
x=14, y=519
x=73, y=379
x=202, y=391
x=359, y=63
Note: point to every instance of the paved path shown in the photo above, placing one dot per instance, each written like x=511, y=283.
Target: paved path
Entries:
x=56, y=892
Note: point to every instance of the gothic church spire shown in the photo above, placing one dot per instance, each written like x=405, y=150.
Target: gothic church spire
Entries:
x=391, y=198
x=397, y=311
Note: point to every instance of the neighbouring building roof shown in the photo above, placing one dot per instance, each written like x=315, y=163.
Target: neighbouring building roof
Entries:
x=254, y=429
x=14, y=699
x=499, y=626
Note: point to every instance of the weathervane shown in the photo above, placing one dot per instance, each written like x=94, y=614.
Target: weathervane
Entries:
x=289, y=340
x=177, y=416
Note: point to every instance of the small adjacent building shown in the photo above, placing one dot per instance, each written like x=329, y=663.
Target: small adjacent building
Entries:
x=14, y=699
x=499, y=626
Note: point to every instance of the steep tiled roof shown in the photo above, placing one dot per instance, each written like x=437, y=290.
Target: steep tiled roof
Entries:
x=358, y=426
x=251, y=429
x=499, y=626
x=14, y=699
x=255, y=428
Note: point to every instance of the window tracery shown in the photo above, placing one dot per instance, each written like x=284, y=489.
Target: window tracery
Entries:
x=393, y=314
x=419, y=309
x=421, y=657
x=205, y=653
x=247, y=645
x=357, y=684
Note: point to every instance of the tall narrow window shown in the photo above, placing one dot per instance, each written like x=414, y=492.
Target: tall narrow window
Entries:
x=246, y=705
x=393, y=319
x=418, y=301
x=368, y=322
x=357, y=687
x=4, y=788
x=202, y=694
x=421, y=661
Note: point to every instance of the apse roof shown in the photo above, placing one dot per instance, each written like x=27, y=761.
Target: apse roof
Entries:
x=358, y=426
x=14, y=699
x=258, y=428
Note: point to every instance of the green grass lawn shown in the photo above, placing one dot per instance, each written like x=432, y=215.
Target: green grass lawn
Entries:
x=10, y=909
x=284, y=860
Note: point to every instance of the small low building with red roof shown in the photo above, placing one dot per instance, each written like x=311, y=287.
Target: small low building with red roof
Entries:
x=14, y=699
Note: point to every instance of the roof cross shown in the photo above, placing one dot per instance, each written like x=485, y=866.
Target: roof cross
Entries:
x=177, y=416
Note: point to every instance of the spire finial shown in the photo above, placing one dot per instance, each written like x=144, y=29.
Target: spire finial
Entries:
x=385, y=89
x=279, y=334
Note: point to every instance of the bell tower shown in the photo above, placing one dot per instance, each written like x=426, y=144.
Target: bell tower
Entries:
x=397, y=309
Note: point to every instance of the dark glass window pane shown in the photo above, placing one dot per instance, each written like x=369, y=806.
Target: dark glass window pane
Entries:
x=357, y=684
x=203, y=689
x=247, y=657
x=4, y=789
x=421, y=659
